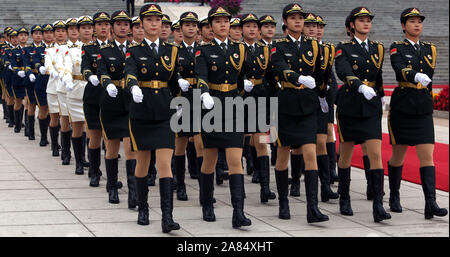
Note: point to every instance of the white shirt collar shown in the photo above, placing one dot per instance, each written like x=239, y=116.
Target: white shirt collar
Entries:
x=412, y=43
x=220, y=42
x=186, y=45
x=118, y=44
x=254, y=43
x=293, y=39
x=265, y=42
x=149, y=42
x=360, y=41
x=100, y=42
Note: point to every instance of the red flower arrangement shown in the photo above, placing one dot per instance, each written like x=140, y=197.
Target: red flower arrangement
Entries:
x=441, y=101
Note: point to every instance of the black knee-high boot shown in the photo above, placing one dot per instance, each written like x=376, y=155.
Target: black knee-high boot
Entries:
x=112, y=170
x=324, y=174
x=166, y=200
x=172, y=166
x=297, y=165
x=11, y=116
x=377, y=180
x=237, y=201
x=31, y=135
x=369, y=191
x=192, y=159
x=26, y=128
x=256, y=168
x=5, y=111
x=273, y=154
x=54, y=134
x=311, y=187
x=428, y=178
x=131, y=183
x=221, y=175
x=77, y=145
x=84, y=142
x=180, y=170
x=247, y=153
x=395, y=179
x=207, y=194
x=151, y=177
x=281, y=177
x=264, y=179
x=17, y=121
x=331, y=151
x=43, y=128
x=345, y=206
x=65, y=147
x=94, y=166
x=142, y=198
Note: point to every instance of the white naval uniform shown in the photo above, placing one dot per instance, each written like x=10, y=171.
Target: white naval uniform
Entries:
x=61, y=87
x=72, y=67
x=50, y=65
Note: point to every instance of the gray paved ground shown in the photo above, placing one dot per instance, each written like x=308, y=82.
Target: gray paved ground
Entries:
x=40, y=197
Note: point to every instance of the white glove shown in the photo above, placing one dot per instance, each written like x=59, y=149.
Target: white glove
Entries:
x=137, y=94
x=184, y=85
x=94, y=80
x=42, y=70
x=54, y=74
x=207, y=100
x=32, y=78
x=422, y=79
x=112, y=90
x=279, y=85
x=367, y=91
x=248, y=85
x=323, y=104
x=328, y=87
x=308, y=81
x=21, y=73
x=69, y=86
x=9, y=67
x=383, y=101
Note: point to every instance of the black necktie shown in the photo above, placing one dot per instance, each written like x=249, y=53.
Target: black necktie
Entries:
x=417, y=48
x=122, y=47
x=189, y=49
x=363, y=45
x=153, y=45
x=224, y=47
x=252, y=49
x=103, y=43
x=298, y=44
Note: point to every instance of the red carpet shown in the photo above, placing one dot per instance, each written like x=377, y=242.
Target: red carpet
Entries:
x=411, y=165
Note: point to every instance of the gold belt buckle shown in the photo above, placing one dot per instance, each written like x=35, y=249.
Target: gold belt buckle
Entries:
x=420, y=86
x=226, y=87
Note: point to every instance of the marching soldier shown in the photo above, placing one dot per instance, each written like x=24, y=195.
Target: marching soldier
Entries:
x=166, y=28
x=151, y=76
x=92, y=93
x=219, y=73
x=137, y=30
x=410, y=117
x=255, y=66
x=114, y=105
x=205, y=30
x=75, y=85
x=40, y=85
x=331, y=95
x=8, y=73
x=267, y=27
x=30, y=53
x=18, y=78
x=297, y=62
x=177, y=33
x=235, y=29
x=359, y=108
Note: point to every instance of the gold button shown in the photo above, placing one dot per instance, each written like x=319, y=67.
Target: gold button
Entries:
x=157, y=64
x=192, y=64
x=301, y=69
x=421, y=62
x=367, y=70
x=192, y=72
x=365, y=79
x=156, y=73
x=226, y=62
x=301, y=60
x=254, y=61
x=226, y=72
x=409, y=61
x=289, y=60
x=226, y=81
x=253, y=77
x=214, y=62
x=156, y=91
x=368, y=61
x=254, y=69
x=346, y=90
x=144, y=64
x=421, y=70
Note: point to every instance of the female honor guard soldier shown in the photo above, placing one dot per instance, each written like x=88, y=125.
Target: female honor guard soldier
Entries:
x=187, y=48
x=18, y=78
x=256, y=64
x=151, y=76
x=359, y=65
x=42, y=78
x=92, y=92
x=297, y=63
x=75, y=85
x=219, y=72
x=410, y=117
x=115, y=106
x=166, y=28
x=8, y=56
